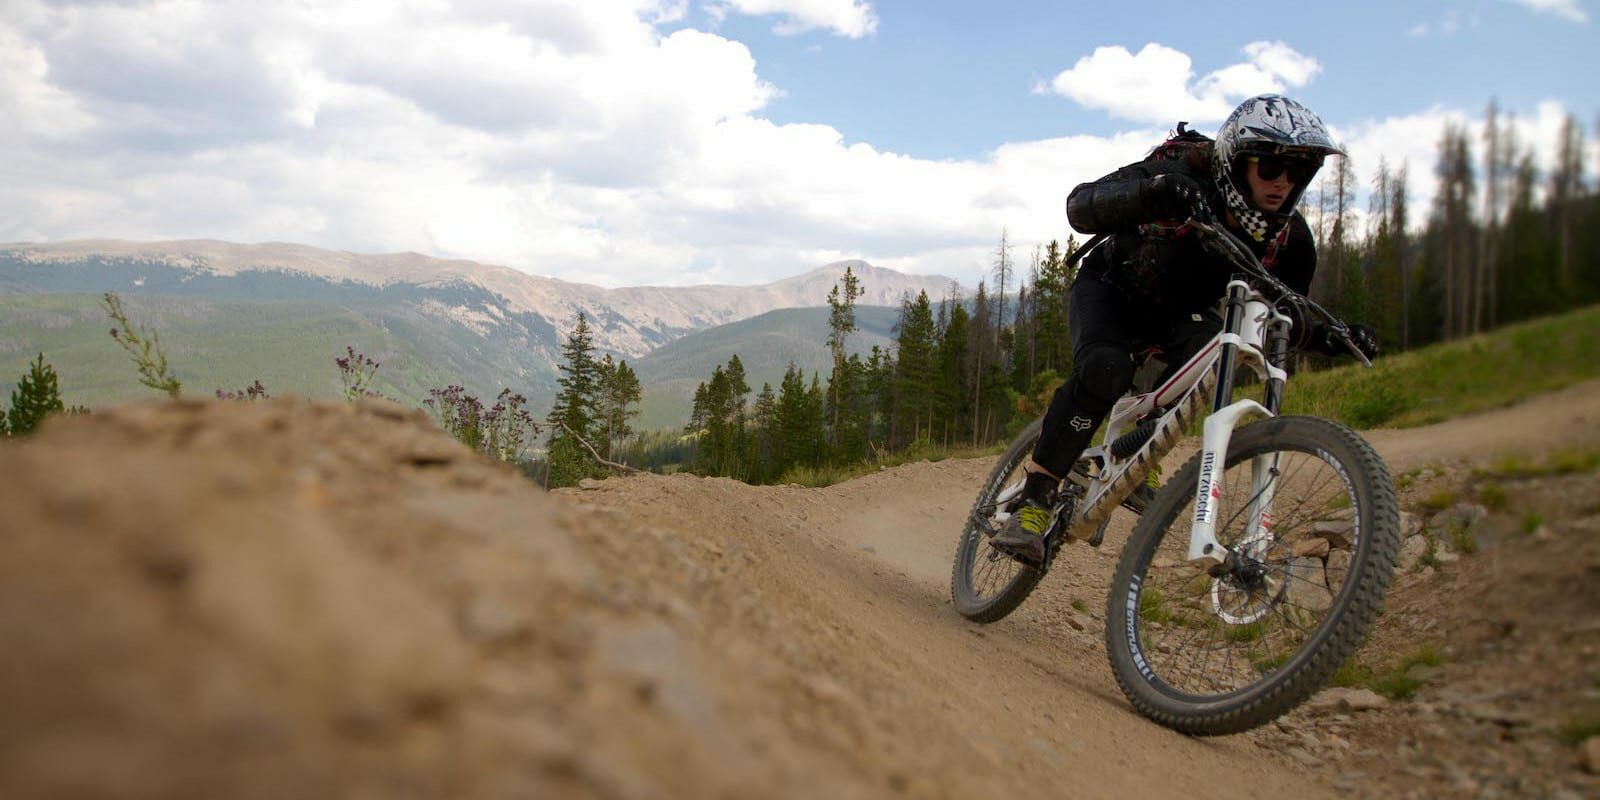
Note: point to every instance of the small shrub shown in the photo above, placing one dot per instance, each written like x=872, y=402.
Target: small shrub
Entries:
x=252, y=393
x=1153, y=606
x=1462, y=540
x=1269, y=663
x=1427, y=655
x=1351, y=673
x=1531, y=522
x=1567, y=462
x=507, y=427
x=458, y=413
x=1395, y=685
x=1244, y=633
x=1493, y=496
x=1581, y=726
x=35, y=398
x=816, y=477
x=1079, y=606
x=143, y=347
x=1561, y=462
x=502, y=431
x=355, y=374
x=1376, y=403
x=1438, y=501
x=1429, y=557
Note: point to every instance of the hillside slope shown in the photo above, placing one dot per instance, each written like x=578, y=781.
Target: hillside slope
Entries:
x=304, y=599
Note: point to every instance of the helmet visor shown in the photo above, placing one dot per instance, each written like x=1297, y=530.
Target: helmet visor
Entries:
x=1268, y=167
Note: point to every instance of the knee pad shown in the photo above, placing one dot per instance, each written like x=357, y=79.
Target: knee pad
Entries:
x=1103, y=372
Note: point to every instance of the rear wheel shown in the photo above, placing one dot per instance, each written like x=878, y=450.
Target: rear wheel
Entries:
x=1221, y=653
x=987, y=584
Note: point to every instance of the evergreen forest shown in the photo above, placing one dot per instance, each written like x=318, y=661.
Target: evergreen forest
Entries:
x=1501, y=242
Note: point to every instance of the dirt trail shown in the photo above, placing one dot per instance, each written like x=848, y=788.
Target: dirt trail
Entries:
x=301, y=599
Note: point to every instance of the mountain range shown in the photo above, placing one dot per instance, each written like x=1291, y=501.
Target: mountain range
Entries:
x=228, y=314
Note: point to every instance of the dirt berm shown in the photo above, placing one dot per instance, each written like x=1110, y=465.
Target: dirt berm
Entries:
x=297, y=599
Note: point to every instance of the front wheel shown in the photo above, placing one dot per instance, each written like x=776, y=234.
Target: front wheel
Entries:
x=987, y=584
x=1218, y=651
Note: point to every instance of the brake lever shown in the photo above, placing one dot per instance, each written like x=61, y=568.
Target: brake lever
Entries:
x=1213, y=240
x=1349, y=344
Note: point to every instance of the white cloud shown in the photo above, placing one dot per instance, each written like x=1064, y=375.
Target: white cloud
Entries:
x=563, y=137
x=1566, y=9
x=1448, y=25
x=851, y=18
x=1412, y=141
x=1157, y=83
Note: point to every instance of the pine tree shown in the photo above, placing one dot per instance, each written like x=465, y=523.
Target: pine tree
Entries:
x=798, y=419
x=1050, y=293
x=950, y=390
x=35, y=397
x=619, y=389
x=984, y=350
x=841, y=323
x=878, y=397
x=1399, y=219
x=764, y=463
x=717, y=422
x=1002, y=276
x=572, y=416
x=1566, y=187
x=1487, y=298
x=916, y=368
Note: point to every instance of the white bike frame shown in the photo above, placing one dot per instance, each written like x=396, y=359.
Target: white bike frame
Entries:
x=1244, y=338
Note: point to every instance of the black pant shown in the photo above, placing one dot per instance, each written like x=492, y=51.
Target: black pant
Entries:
x=1107, y=328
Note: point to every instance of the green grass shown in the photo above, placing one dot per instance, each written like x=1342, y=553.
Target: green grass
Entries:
x=1493, y=496
x=1153, y=606
x=1244, y=633
x=1079, y=606
x=1429, y=557
x=1396, y=682
x=816, y=477
x=1461, y=539
x=1439, y=382
x=1427, y=655
x=1531, y=522
x=1438, y=501
x=1560, y=462
x=1351, y=674
x=1396, y=685
x=1580, y=726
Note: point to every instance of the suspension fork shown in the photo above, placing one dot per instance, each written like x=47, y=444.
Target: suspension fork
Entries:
x=1264, y=469
x=1225, y=416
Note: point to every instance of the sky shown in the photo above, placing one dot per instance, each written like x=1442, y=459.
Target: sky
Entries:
x=682, y=142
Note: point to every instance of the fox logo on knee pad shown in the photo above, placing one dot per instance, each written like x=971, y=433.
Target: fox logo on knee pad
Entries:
x=1080, y=423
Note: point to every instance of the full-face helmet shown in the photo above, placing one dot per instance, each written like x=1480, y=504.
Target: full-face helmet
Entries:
x=1281, y=135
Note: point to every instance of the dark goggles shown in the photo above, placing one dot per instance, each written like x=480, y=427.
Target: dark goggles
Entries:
x=1269, y=167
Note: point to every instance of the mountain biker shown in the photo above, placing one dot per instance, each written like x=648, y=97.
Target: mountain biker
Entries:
x=1151, y=284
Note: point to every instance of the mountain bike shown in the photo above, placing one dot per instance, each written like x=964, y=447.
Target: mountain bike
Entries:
x=1256, y=570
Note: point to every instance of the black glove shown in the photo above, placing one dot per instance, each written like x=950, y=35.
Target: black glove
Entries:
x=1325, y=339
x=1173, y=196
x=1365, y=339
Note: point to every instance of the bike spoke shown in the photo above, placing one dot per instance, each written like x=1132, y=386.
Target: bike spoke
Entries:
x=1191, y=642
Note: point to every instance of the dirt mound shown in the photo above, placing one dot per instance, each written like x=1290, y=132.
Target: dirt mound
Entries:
x=292, y=598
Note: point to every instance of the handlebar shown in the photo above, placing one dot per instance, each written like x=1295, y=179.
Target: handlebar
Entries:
x=1223, y=243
